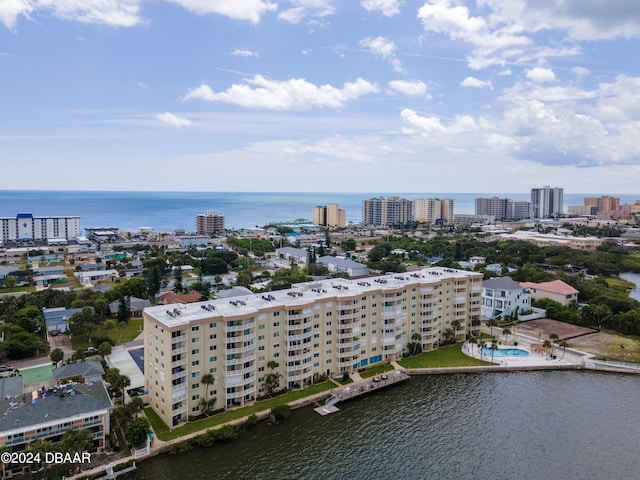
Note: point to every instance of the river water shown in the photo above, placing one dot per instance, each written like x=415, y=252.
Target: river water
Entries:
x=551, y=425
x=634, y=278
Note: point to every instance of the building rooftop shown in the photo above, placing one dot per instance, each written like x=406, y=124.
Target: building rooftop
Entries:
x=78, y=369
x=502, y=283
x=19, y=412
x=555, y=286
x=301, y=295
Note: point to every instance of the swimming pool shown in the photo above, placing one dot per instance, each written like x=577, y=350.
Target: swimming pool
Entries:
x=505, y=352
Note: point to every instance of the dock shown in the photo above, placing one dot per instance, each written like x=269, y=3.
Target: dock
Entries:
x=357, y=389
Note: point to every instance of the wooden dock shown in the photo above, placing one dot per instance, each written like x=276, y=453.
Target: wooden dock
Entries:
x=357, y=389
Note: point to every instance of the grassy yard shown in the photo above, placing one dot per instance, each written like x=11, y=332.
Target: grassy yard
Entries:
x=134, y=327
x=619, y=283
x=376, y=370
x=163, y=433
x=450, y=356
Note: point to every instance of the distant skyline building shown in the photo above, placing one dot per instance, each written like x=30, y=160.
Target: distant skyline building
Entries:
x=547, y=202
x=433, y=210
x=209, y=223
x=387, y=212
x=605, y=206
x=503, y=208
x=26, y=227
x=330, y=216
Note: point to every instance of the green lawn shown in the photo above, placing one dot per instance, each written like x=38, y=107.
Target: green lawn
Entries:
x=376, y=370
x=134, y=327
x=450, y=356
x=163, y=433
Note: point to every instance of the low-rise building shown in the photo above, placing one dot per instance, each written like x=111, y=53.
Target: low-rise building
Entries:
x=344, y=265
x=556, y=290
x=47, y=413
x=502, y=296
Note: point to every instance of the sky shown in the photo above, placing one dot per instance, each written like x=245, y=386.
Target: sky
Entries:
x=320, y=95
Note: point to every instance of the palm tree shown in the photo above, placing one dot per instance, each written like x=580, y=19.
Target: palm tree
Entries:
x=481, y=344
x=562, y=344
x=506, y=332
x=548, y=346
x=493, y=347
x=455, y=325
x=208, y=379
x=554, y=337
x=473, y=341
x=272, y=379
x=492, y=323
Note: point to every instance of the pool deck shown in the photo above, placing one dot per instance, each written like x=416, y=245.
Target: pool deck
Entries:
x=534, y=359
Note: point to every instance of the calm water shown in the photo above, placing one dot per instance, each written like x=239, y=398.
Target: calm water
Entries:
x=168, y=211
x=551, y=425
x=634, y=278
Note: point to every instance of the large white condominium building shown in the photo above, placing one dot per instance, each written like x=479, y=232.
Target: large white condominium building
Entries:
x=433, y=210
x=325, y=327
x=26, y=227
x=547, y=202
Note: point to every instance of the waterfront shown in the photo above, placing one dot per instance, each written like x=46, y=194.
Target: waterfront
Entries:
x=553, y=425
x=168, y=211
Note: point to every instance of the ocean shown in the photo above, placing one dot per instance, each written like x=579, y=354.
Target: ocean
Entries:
x=169, y=211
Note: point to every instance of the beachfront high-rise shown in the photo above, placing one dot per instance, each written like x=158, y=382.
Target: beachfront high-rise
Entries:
x=329, y=215
x=547, y=202
x=503, y=208
x=324, y=327
x=209, y=223
x=387, y=212
x=433, y=210
x=26, y=227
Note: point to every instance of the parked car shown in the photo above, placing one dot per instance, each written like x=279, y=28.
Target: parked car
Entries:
x=6, y=368
x=91, y=351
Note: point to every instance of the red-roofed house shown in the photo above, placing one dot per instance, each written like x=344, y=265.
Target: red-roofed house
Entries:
x=556, y=290
x=172, y=297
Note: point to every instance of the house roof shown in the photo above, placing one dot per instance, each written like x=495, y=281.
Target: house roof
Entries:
x=78, y=369
x=172, y=297
x=135, y=303
x=502, y=283
x=78, y=399
x=342, y=262
x=555, y=286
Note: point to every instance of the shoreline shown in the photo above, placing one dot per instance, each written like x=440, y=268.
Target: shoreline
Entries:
x=161, y=446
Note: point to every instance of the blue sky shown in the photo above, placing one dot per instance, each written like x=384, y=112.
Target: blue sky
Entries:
x=320, y=95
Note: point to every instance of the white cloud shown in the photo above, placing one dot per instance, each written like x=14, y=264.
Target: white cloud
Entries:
x=243, y=53
x=250, y=10
x=411, y=88
x=294, y=94
x=388, y=8
x=476, y=83
x=173, y=120
x=10, y=10
x=303, y=9
x=142, y=86
x=336, y=147
x=427, y=126
x=117, y=13
x=580, y=72
x=384, y=48
x=541, y=75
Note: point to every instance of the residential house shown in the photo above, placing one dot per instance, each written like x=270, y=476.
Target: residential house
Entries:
x=556, y=290
x=502, y=296
x=343, y=265
x=136, y=305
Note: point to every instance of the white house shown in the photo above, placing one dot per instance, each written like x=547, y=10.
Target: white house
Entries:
x=501, y=296
x=339, y=265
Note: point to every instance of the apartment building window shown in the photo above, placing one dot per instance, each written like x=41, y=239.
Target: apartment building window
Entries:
x=316, y=364
x=261, y=348
x=261, y=369
x=195, y=339
x=195, y=397
x=276, y=345
x=260, y=337
x=316, y=345
x=195, y=374
x=276, y=324
x=276, y=314
x=276, y=334
x=261, y=327
x=213, y=347
x=195, y=385
x=329, y=314
x=316, y=355
x=261, y=358
x=195, y=363
x=316, y=335
x=328, y=362
x=328, y=352
x=363, y=307
x=213, y=359
x=328, y=342
x=276, y=355
x=212, y=325
x=374, y=305
x=195, y=328
x=195, y=351
x=213, y=336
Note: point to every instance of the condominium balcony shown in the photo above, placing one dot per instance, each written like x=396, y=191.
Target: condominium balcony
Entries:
x=304, y=336
x=300, y=357
x=294, y=316
x=349, y=335
x=176, y=375
x=179, y=363
x=299, y=378
x=298, y=326
x=180, y=409
x=179, y=395
x=348, y=317
x=244, y=349
x=178, y=350
x=181, y=338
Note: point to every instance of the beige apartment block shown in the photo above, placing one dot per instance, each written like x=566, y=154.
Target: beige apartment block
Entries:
x=324, y=327
x=331, y=216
